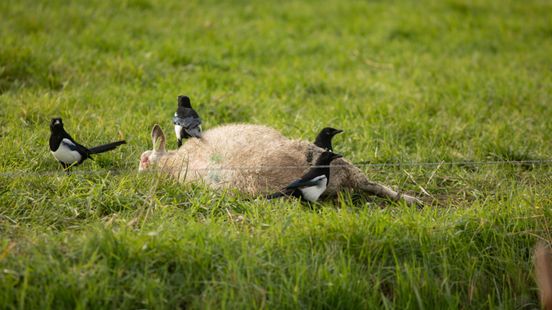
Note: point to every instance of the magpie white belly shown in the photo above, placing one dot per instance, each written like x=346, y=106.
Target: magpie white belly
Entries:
x=178, y=130
x=66, y=155
x=312, y=193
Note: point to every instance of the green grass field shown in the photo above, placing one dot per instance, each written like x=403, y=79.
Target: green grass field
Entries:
x=407, y=80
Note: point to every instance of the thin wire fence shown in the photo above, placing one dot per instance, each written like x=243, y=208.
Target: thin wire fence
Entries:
x=541, y=162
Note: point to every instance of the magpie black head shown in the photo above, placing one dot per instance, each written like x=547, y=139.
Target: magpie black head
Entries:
x=324, y=138
x=56, y=123
x=184, y=101
x=330, y=132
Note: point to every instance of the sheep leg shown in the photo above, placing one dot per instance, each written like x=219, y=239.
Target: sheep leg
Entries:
x=385, y=192
x=346, y=175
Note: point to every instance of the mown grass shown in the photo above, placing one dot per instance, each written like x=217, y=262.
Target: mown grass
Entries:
x=407, y=80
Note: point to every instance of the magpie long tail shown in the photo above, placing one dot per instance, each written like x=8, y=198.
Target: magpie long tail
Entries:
x=106, y=147
x=275, y=195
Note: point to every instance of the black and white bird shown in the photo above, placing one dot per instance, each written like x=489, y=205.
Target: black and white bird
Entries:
x=186, y=121
x=313, y=184
x=67, y=151
x=324, y=138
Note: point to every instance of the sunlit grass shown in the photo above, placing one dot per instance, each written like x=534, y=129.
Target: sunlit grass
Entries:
x=407, y=81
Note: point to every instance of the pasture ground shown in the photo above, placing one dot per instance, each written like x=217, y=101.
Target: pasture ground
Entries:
x=407, y=80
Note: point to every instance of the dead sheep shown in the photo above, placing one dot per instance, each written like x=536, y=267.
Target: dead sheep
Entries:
x=255, y=160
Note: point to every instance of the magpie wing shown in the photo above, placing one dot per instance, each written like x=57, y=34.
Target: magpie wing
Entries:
x=305, y=182
x=187, y=122
x=74, y=146
x=192, y=125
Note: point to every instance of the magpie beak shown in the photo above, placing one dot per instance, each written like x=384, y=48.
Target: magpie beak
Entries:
x=67, y=151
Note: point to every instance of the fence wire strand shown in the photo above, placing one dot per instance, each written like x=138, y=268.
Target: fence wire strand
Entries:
x=542, y=162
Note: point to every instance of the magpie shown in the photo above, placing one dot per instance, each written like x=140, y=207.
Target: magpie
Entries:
x=324, y=138
x=311, y=185
x=67, y=151
x=186, y=121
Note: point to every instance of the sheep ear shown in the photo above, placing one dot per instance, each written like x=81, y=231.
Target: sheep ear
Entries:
x=158, y=139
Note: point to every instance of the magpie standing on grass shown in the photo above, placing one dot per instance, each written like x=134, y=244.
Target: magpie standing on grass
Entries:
x=186, y=121
x=67, y=151
x=324, y=138
x=310, y=186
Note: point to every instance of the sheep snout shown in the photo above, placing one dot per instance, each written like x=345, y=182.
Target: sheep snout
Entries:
x=144, y=162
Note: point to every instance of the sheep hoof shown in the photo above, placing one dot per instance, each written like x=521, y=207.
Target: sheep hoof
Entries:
x=410, y=200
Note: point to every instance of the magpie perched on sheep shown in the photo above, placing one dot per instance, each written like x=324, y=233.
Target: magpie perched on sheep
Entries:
x=67, y=151
x=313, y=184
x=324, y=138
x=186, y=121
